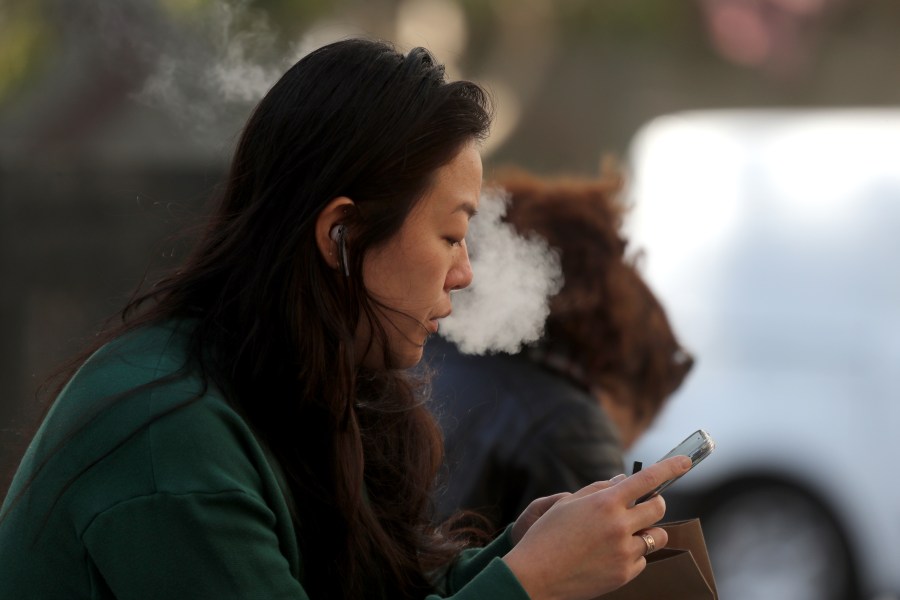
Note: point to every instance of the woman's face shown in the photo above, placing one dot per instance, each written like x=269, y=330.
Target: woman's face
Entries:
x=413, y=273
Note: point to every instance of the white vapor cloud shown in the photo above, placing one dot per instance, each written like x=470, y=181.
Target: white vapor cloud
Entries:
x=514, y=278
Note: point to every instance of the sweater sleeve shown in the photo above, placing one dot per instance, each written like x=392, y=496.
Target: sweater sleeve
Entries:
x=198, y=545
x=222, y=546
x=481, y=574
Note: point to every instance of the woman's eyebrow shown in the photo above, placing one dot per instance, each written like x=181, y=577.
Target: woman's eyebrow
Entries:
x=466, y=207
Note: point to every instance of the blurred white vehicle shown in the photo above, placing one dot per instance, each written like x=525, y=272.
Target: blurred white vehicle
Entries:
x=773, y=239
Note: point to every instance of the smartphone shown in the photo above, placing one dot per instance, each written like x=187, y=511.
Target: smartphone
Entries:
x=697, y=446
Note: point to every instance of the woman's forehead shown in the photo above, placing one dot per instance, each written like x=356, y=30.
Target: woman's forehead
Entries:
x=457, y=185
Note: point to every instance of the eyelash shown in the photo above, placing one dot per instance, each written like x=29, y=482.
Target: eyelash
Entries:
x=454, y=242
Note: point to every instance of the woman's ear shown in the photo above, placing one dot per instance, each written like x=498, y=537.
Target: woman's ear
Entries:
x=328, y=224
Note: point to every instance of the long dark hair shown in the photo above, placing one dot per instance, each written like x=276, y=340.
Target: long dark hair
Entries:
x=275, y=325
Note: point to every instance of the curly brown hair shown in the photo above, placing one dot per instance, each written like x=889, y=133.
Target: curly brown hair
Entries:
x=606, y=322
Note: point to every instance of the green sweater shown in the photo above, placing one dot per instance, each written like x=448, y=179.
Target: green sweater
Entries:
x=189, y=507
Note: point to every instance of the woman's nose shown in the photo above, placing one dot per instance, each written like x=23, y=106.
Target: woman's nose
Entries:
x=460, y=275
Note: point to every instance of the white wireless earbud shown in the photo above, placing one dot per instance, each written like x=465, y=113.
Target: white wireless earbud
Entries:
x=337, y=235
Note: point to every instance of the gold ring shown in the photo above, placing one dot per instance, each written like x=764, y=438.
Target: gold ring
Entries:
x=649, y=541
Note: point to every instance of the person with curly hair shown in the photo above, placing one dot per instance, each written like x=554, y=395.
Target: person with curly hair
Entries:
x=558, y=415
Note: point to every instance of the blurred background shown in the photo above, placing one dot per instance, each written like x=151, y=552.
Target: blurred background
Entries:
x=117, y=120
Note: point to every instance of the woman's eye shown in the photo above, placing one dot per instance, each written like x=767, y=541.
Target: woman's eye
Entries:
x=454, y=241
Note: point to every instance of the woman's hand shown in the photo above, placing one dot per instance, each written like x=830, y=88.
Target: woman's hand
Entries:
x=583, y=545
x=538, y=507
x=532, y=513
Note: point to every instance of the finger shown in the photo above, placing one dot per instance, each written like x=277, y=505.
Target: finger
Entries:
x=542, y=505
x=599, y=486
x=653, y=476
x=602, y=485
x=555, y=497
x=647, y=513
x=647, y=541
x=537, y=509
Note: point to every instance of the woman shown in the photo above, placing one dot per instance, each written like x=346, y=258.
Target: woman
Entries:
x=559, y=414
x=247, y=432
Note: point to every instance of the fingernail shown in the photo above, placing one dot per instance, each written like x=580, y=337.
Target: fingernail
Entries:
x=618, y=478
x=686, y=462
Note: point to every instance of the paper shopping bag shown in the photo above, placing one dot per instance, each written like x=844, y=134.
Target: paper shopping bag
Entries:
x=680, y=571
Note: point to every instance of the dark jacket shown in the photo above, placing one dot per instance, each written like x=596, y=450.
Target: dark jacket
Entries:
x=514, y=431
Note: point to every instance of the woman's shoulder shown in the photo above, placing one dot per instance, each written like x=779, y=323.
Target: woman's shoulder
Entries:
x=121, y=378
x=138, y=356
x=147, y=385
x=137, y=420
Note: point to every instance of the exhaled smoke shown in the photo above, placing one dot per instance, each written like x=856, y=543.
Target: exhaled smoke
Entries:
x=209, y=72
x=514, y=279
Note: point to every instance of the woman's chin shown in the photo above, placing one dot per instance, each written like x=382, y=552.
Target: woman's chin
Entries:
x=405, y=358
x=409, y=358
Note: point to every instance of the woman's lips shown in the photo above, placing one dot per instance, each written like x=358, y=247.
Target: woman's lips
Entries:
x=434, y=323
